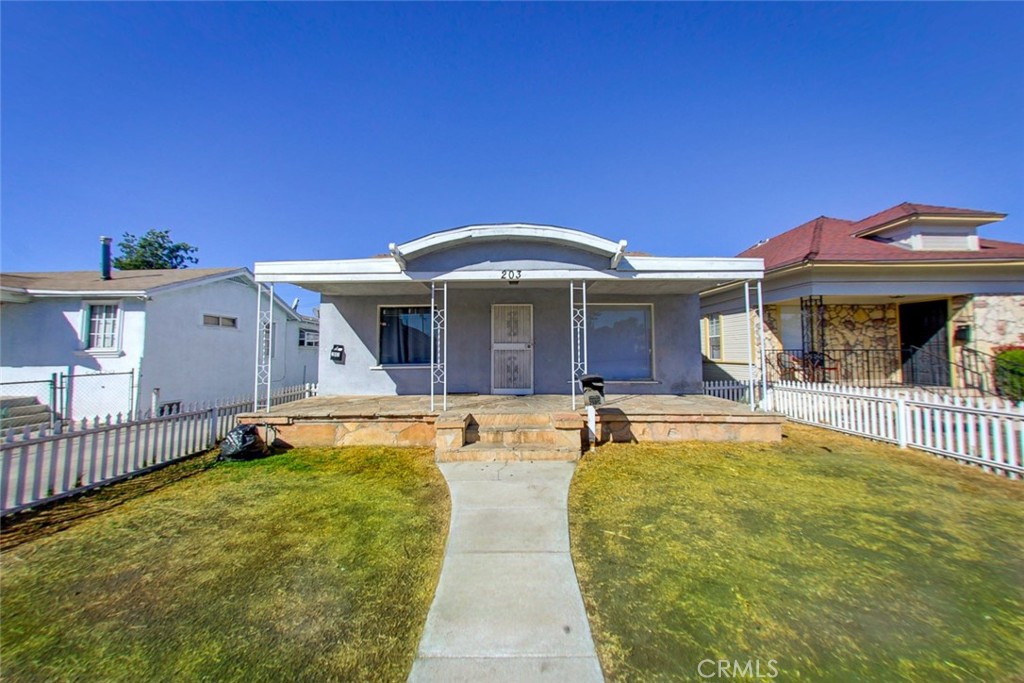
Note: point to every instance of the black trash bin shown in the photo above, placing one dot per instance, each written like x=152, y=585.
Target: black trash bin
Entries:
x=593, y=389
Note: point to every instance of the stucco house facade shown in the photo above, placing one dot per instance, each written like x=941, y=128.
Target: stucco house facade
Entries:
x=509, y=309
x=910, y=295
x=189, y=333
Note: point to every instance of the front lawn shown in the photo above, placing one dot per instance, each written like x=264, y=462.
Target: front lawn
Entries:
x=313, y=565
x=838, y=558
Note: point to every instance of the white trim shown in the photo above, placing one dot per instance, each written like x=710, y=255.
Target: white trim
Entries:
x=679, y=273
x=505, y=231
x=85, y=329
x=619, y=253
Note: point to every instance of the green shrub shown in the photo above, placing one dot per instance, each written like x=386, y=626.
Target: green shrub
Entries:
x=1009, y=372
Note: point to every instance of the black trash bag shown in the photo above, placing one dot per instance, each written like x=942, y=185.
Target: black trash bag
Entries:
x=243, y=443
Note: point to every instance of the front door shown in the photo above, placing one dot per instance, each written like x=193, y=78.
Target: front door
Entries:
x=924, y=345
x=512, y=349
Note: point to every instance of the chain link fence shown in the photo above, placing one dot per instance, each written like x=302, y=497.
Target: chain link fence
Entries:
x=65, y=397
x=97, y=394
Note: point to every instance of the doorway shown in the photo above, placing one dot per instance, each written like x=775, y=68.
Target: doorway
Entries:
x=512, y=349
x=924, y=343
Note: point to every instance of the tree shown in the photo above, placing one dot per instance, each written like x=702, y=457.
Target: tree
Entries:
x=153, y=251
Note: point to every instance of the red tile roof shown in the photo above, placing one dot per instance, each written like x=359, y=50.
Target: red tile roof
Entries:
x=834, y=240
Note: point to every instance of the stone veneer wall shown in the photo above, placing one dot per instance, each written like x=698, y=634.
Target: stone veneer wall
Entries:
x=851, y=327
x=998, y=320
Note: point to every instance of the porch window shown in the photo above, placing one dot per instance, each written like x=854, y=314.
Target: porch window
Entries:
x=715, y=336
x=405, y=335
x=620, y=341
x=102, y=326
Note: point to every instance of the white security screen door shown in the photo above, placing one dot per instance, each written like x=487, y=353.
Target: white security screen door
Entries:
x=512, y=349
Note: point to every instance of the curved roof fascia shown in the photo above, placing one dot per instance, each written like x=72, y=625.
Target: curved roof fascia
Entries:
x=469, y=234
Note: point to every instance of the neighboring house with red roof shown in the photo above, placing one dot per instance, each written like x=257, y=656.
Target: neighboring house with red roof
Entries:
x=910, y=295
x=190, y=333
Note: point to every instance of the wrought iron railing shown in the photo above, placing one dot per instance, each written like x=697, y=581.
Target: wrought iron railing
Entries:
x=911, y=366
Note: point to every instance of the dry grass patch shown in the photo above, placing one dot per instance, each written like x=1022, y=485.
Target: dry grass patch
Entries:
x=841, y=559
x=316, y=564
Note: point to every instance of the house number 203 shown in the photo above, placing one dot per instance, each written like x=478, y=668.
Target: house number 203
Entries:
x=511, y=274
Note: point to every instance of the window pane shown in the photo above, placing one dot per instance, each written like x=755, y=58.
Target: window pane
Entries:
x=715, y=336
x=619, y=342
x=229, y=322
x=102, y=326
x=405, y=335
x=211, y=320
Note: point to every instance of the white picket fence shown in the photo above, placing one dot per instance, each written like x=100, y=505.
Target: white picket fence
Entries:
x=731, y=390
x=983, y=431
x=40, y=466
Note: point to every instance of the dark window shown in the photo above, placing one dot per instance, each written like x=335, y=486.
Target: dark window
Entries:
x=619, y=342
x=219, y=321
x=405, y=335
x=309, y=337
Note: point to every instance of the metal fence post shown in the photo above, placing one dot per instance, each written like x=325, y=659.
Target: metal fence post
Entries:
x=213, y=425
x=53, y=398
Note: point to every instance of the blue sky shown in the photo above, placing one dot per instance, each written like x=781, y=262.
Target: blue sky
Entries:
x=263, y=131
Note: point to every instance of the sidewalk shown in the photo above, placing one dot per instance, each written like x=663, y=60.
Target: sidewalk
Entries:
x=507, y=607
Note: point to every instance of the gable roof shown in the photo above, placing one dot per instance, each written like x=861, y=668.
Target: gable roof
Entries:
x=122, y=281
x=24, y=287
x=837, y=240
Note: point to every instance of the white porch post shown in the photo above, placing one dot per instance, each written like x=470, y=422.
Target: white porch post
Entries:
x=258, y=359
x=577, y=333
x=264, y=348
x=750, y=344
x=439, y=344
x=760, y=329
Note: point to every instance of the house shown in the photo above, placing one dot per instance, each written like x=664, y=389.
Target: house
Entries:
x=509, y=309
x=90, y=345
x=910, y=295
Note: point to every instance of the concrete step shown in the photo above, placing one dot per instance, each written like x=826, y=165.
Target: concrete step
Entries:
x=508, y=436
x=27, y=410
x=512, y=420
x=17, y=401
x=484, y=452
x=25, y=421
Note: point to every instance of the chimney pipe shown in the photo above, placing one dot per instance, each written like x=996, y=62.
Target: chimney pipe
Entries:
x=105, y=258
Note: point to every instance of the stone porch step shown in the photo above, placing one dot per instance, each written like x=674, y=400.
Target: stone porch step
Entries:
x=514, y=435
x=515, y=420
x=485, y=452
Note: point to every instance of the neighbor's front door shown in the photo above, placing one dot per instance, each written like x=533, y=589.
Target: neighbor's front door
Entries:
x=512, y=349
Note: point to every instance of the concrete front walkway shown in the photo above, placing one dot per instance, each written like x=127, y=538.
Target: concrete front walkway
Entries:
x=507, y=607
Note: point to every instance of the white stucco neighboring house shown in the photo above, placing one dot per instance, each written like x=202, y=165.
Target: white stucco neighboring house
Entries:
x=190, y=333
x=509, y=309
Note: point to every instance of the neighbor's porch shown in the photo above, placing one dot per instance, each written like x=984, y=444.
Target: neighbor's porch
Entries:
x=872, y=341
